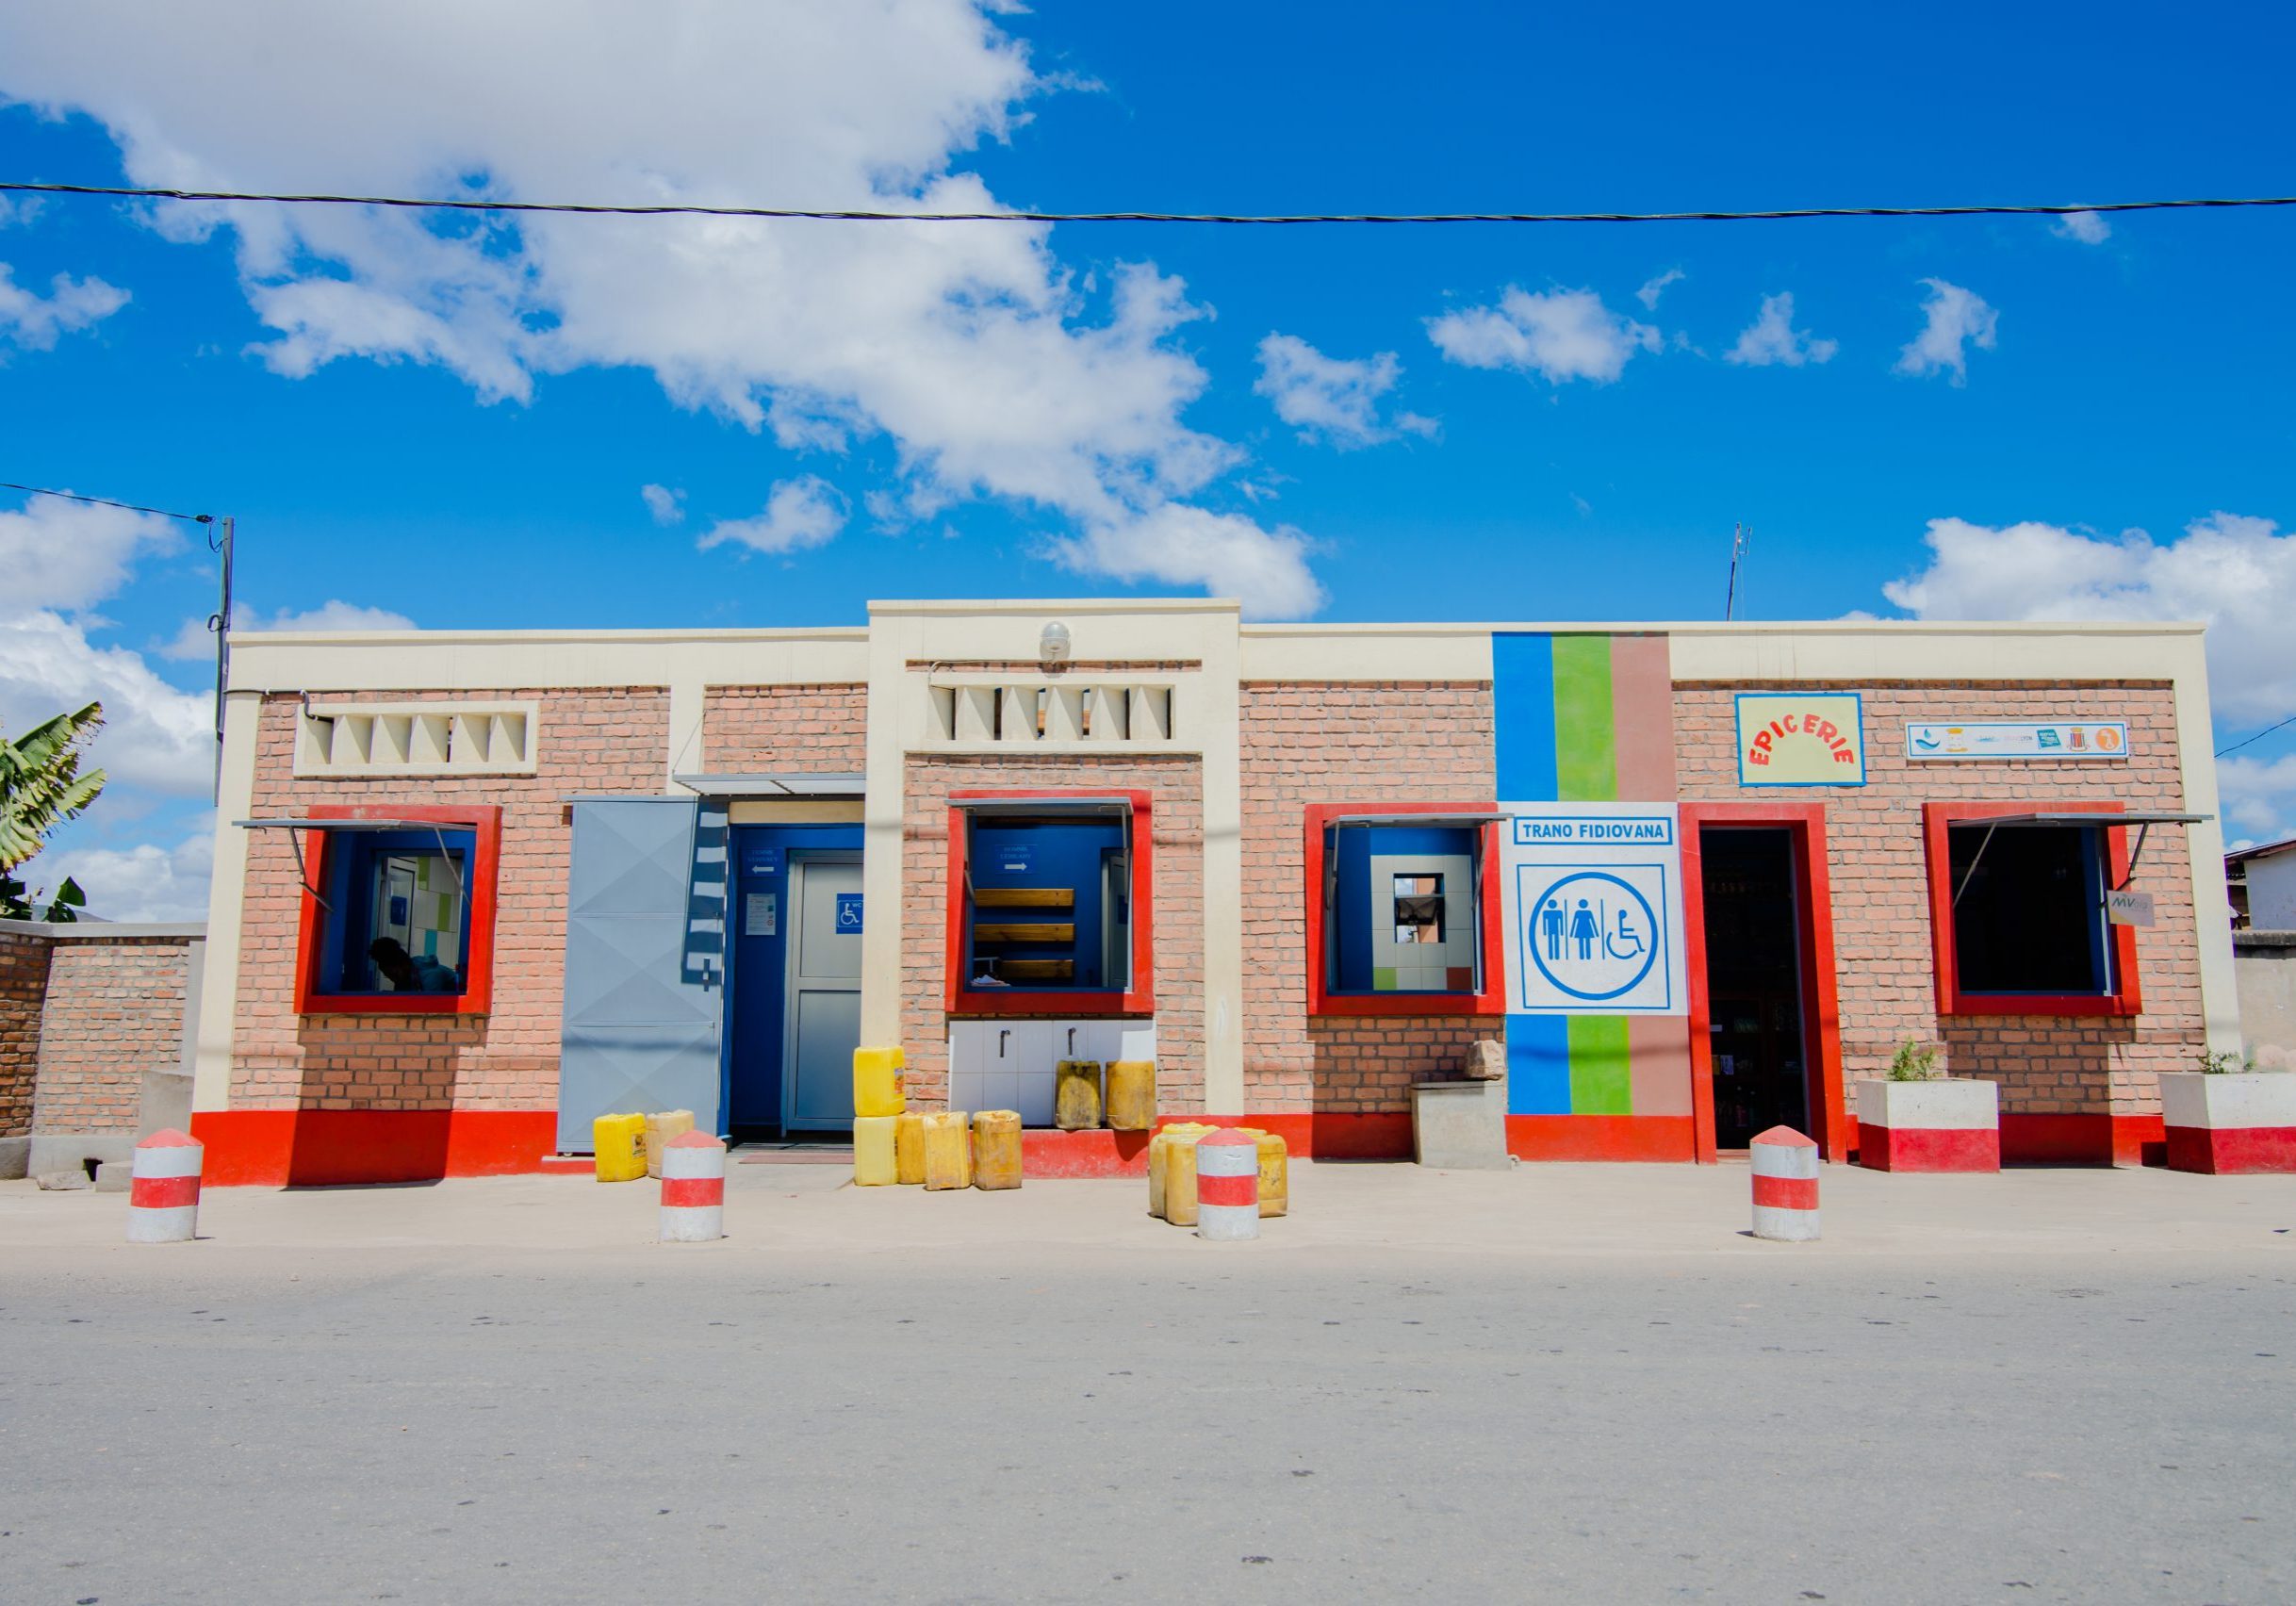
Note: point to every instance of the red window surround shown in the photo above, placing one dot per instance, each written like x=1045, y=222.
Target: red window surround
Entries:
x=1491, y=1000
x=484, y=824
x=1935, y=818
x=1138, y=999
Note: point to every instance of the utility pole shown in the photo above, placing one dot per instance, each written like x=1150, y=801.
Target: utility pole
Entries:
x=1741, y=542
x=220, y=543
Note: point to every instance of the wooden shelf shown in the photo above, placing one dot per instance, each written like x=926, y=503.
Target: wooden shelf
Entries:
x=1036, y=970
x=1032, y=935
x=1023, y=897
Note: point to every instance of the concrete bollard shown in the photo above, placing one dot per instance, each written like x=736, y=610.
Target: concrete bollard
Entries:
x=1227, y=1186
x=163, y=1191
x=693, y=1188
x=1785, y=1185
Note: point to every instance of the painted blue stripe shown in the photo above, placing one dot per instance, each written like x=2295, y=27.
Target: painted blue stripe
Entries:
x=1523, y=711
x=1538, y=1065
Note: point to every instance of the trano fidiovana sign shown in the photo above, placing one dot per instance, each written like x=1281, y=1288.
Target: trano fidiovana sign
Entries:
x=1801, y=739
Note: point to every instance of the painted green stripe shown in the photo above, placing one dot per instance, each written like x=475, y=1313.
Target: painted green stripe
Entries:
x=1585, y=740
x=1600, y=1066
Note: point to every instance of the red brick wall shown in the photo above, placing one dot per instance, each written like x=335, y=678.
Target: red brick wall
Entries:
x=1176, y=786
x=1422, y=741
x=2046, y=1065
x=591, y=741
x=115, y=1009
x=23, y=989
x=749, y=729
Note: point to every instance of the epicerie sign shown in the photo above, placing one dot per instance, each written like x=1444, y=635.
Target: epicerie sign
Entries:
x=1801, y=739
x=1592, y=893
x=2018, y=739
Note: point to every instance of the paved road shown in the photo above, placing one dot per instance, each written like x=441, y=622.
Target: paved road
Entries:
x=1052, y=1420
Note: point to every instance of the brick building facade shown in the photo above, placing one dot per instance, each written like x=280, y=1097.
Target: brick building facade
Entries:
x=706, y=770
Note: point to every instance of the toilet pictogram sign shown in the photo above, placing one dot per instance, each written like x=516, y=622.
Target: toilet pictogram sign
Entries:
x=1594, y=906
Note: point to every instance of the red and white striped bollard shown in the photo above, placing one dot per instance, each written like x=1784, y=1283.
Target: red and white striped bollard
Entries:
x=163, y=1189
x=1785, y=1185
x=693, y=1188
x=1227, y=1186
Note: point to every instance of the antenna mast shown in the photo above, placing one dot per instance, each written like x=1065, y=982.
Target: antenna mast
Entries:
x=1741, y=542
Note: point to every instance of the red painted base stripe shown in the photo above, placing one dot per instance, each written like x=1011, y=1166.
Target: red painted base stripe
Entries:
x=1929, y=1149
x=2230, y=1151
x=162, y=1193
x=1786, y=1192
x=691, y=1192
x=1228, y=1189
x=1601, y=1138
x=331, y=1147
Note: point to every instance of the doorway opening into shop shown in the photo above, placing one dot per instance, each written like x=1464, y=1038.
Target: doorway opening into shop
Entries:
x=1753, y=983
x=792, y=996
x=1766, y=1034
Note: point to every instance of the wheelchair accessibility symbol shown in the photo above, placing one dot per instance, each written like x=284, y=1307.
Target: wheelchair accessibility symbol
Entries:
x=1593, y=935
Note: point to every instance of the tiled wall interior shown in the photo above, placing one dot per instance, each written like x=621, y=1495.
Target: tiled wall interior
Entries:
x=1014, y=1064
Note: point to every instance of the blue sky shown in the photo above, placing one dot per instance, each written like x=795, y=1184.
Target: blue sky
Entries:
x=460, y=432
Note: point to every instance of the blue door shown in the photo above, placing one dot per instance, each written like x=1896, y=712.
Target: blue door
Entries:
x=770, y=994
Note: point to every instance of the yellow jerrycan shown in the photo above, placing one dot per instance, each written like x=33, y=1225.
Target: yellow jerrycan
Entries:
x=1160, y=1159
x=877, y=1082
x=1132, y=1095
x=660, y=1129
x=948, y=1151
x=909, y=1149
x=996, y=1150
x=873, y=1150
x=619, y=1142
x=1076, y=1095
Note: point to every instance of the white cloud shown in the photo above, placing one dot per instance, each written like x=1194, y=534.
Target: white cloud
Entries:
x=1772, y=338
x=145, y=882
x=1559, y=335
x=2090, y=228
x=153, y=735
x=1956, y=319
x=193, y=639
x=993, y=369
x=801, y=513
x=34, y=321
x=1654, y=288
x=1228, y=554
x=667, y=506
x=71, y=555
x=1332, y=398
x=2259, y=797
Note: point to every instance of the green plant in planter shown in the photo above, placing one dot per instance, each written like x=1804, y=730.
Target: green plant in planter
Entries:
x=2226, y=1064
x=1914, y=1061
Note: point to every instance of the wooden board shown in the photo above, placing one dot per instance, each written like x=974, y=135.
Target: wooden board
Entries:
x=1036, y=970
x=1023, y=897
x=1045, y=934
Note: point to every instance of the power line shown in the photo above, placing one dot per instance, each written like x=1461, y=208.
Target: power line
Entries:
x=107, y=502
x=807, y=214
x=2250, y=740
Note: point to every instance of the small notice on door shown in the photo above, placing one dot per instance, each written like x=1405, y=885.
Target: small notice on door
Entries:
x=762, y=916
x=2128, y=908
x=848, y=912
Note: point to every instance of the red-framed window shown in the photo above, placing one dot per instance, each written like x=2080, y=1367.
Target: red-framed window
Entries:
x=411, y=887
x=1051, y=903
x=1402, y=919
x=2028, y=935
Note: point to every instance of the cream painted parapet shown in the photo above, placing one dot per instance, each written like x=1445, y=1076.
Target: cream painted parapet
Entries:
x=447, y=661
x=219, y=994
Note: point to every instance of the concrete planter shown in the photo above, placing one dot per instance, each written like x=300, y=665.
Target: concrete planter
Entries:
x=2238, y=1124
x=1460, y=1125
x=1948, y=1124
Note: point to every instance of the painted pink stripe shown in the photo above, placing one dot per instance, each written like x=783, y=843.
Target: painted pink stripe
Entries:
x=691, y=1192
x=163, y=1192
x=1641, y=712
x=1658, y=1064
x=1785, y=1193
x=1241, y=1190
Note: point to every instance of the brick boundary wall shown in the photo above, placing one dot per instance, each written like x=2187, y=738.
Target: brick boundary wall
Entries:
x=24, y=992
x=1342, y=742
x=2045, y=1064
x=114, y=1010
x=1175, y=783
x=587, y=741
x=748, y=729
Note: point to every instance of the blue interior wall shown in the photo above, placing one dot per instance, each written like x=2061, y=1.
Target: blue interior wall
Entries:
x=1065, y=854
x=757, y=970
x=1357, y=906
x=350, y=889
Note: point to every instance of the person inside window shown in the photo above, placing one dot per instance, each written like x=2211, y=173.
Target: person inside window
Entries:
x=411, y=973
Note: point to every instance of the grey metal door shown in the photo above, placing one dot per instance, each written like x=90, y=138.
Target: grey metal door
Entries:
x=645, y=963
x=823, y=1015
